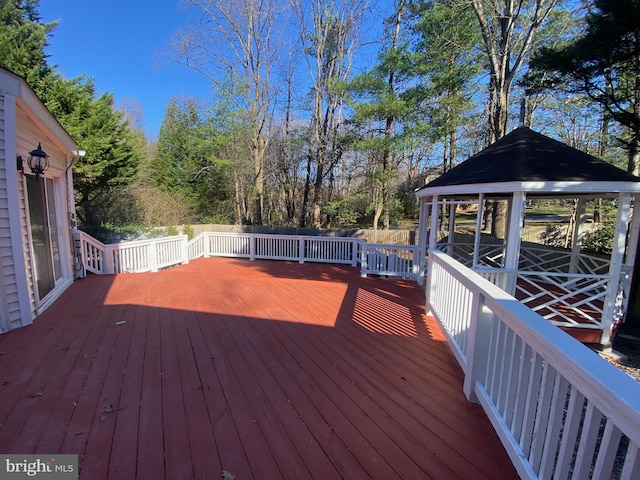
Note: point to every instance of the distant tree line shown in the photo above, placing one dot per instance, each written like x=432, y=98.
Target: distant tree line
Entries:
x=312, y=126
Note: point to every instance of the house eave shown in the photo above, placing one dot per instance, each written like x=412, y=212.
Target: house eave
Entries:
x=533, y=187
x=16, y=86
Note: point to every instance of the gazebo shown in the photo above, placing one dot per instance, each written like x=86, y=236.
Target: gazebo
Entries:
x=583, y=293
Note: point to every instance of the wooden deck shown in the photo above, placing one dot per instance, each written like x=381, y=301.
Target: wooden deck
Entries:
x=262, y=369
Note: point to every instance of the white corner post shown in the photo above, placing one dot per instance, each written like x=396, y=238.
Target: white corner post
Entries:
x=514, y=239
x=615, y=267
x=433, y=229
x=578, y=234
x=478, y=236
x=433, y=243
x=423, y=231
x=452, y=229
x=631, y=255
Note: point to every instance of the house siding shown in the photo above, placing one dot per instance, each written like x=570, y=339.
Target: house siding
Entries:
x=10, y=310
x=24, y=123
x=5, y=231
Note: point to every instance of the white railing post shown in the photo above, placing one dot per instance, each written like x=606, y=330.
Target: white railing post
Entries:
x=207, y=245
x=479, y=342
x=252, y=246
x=354, y=252
x=415, y=267
x=301, y=241
x=184, y=246
x=364, y=252
x=152, y=251
x=109, y=266
x=427, y=288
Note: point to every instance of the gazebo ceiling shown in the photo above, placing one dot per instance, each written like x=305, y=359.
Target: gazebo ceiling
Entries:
x=525, y=160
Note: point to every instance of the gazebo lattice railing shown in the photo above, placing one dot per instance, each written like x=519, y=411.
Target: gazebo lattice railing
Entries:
x=568, y=291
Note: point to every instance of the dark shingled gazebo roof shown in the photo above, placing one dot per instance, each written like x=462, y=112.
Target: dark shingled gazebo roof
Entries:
x=527, y=156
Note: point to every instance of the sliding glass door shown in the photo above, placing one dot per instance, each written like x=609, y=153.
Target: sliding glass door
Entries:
x=44, y=234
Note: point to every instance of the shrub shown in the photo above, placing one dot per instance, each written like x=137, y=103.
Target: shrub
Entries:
x=601, y=239
x=188, y=231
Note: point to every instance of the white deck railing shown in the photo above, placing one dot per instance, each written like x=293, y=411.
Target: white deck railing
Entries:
x=128, y=257
x=154, y=254
x=560, y=410
x=387, y=260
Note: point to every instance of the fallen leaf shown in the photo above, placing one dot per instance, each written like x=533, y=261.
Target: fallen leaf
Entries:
x=106, y=411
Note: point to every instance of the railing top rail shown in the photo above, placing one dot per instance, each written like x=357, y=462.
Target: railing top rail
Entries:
x=283, y=235
x=581, y=366
x=89, y=239
x=228, y=234
x=137, y=243
x=392, y=246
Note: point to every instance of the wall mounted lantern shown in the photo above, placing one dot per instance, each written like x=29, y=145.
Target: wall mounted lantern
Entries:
x=38, y=162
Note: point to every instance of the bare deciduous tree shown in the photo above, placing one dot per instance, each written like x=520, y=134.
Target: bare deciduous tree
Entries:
x=508, y=28
x=329, y=36
x=236, y=40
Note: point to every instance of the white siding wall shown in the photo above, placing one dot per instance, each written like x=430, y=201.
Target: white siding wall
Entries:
x=5, y=231
x=12, y=317
x=24, y=123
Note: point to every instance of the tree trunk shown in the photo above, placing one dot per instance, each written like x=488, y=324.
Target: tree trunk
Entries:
x=258, y=152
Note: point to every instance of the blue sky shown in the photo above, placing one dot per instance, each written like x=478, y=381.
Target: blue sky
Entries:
x=118, y=44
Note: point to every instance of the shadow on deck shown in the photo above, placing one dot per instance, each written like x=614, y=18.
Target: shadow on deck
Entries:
x=263, y=369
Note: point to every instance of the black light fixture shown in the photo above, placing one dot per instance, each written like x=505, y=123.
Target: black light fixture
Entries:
x=38, y=162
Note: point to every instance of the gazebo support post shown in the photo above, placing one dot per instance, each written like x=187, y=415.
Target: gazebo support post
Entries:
x=478, y=236
x=452, y=229
x=433, y=230
x=423, y=231
x=514, y=239
x=578, y=233
x=617, y=257
x=630, y=257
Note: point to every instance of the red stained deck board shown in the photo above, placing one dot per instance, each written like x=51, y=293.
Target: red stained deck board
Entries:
x=150, y=428
x=263, y=369
x=265, y=365
x=95, y=463
x=256, y=448
x=372, y=402
x=266, y=414
x=86, y=414
x=226, y=447
x=308, y=402
x=122, y=461
x=325, y=374
x=57, y=340
x=201, y=440
x=176, y=446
